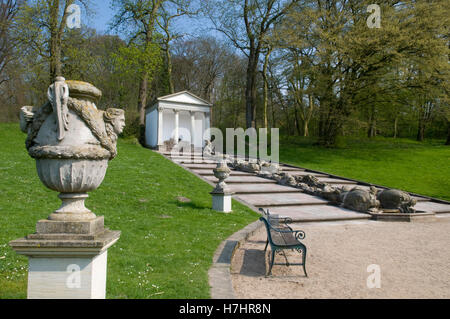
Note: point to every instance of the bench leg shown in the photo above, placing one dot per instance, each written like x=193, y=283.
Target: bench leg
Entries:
x=304, y=261
x=271, y=262
x=267, y=243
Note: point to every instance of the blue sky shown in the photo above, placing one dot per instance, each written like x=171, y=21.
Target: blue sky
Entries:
x=104, y=14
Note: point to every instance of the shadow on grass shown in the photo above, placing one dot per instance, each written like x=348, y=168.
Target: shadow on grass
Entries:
x=192, y=205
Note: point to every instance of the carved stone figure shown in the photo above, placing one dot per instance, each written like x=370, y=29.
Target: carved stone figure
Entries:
x=208, y=149
x=332, y=194
x=72, y=142
x=361, y=200
x=396, y=199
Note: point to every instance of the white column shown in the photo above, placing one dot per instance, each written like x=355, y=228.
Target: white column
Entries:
x=207, y=125
x=160, y=126
x=177, y=121
x=192, y=128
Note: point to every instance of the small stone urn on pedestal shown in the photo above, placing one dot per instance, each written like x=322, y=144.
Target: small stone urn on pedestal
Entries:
x=72, y=142
x=221, y=195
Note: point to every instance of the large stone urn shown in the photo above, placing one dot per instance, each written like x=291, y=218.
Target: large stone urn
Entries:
x=73, y=145
x=221, y=195
x=72, y=142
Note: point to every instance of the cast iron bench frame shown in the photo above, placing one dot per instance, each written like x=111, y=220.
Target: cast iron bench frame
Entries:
x=280, y=236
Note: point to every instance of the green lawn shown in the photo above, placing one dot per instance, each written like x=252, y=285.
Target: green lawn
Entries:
x=422, y=168
x=166, y=246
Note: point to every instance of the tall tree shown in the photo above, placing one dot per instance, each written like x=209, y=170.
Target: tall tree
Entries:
x=199, y=64
x=352, y=63
x=266, y=84
x=246, y=24
x=8, y=11
x=139, y=18
x=168, y=14
x=44, y=23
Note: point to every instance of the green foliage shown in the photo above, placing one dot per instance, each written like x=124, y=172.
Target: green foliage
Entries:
x=137, y=58
x=132, y=126
x=349, y=67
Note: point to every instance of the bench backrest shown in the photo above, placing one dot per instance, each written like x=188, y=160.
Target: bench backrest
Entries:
x=272, y=220
x=268, y=228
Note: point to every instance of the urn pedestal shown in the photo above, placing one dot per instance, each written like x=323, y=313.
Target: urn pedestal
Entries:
x=68, y=260
x=221, y=195
x=221, y=202
x=72, y=142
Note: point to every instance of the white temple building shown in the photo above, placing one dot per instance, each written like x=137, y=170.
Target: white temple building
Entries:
x=181, y=118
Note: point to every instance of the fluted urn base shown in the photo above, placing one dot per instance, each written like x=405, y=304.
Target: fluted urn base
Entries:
x=72, y=208
x=73, y=178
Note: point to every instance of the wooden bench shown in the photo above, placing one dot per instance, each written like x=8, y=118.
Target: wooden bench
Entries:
x=280, y=236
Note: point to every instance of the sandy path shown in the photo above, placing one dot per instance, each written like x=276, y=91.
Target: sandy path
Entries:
x=414, y=260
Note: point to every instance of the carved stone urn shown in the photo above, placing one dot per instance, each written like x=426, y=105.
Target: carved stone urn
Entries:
x=221, y=195
x=221, y=172
x=72, y=142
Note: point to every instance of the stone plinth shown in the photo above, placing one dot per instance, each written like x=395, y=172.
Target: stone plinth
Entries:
x=67, y=260
x=392, y=215
x=221, y=202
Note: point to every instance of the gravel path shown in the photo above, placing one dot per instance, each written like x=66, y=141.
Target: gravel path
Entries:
x=414, y=261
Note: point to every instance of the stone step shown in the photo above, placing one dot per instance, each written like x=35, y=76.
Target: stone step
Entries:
x=432, y=207
x=209, y=172
x=351, y=186
x=242, y=180
x=262, y=188
x=317, y=213
x=420, y=199
x=288, y=168
x=282, y=199
x=336, y=181
x=177, y=157
x=182, y=154
x=304, y=173
x=199, y=161
x=200, y=166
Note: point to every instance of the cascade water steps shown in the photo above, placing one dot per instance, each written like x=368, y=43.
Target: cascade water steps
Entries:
x=288, y=201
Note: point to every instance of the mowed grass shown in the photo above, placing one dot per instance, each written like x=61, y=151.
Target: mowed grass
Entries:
x=166, y=246
x=422, y=168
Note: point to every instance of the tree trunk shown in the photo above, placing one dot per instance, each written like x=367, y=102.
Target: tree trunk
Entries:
x=56, y=30
x=266, y=99
x=142, y=102
x=448, y=134
x=372, y=131
x=250, y=89
x=395, y=126
x=169, y=70
x=308, y=116
x=305, y=129
x=297, y=122
x=421, y=131
x=330, y=125
x=55, y=58
x=266, y=85
x=288, y=126
x=55, y=42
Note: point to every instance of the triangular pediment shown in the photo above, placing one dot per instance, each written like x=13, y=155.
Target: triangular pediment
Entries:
x=185, y=97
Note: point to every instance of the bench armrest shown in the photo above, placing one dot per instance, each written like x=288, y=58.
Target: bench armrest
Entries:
x=299, y=234
x=282, y=220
